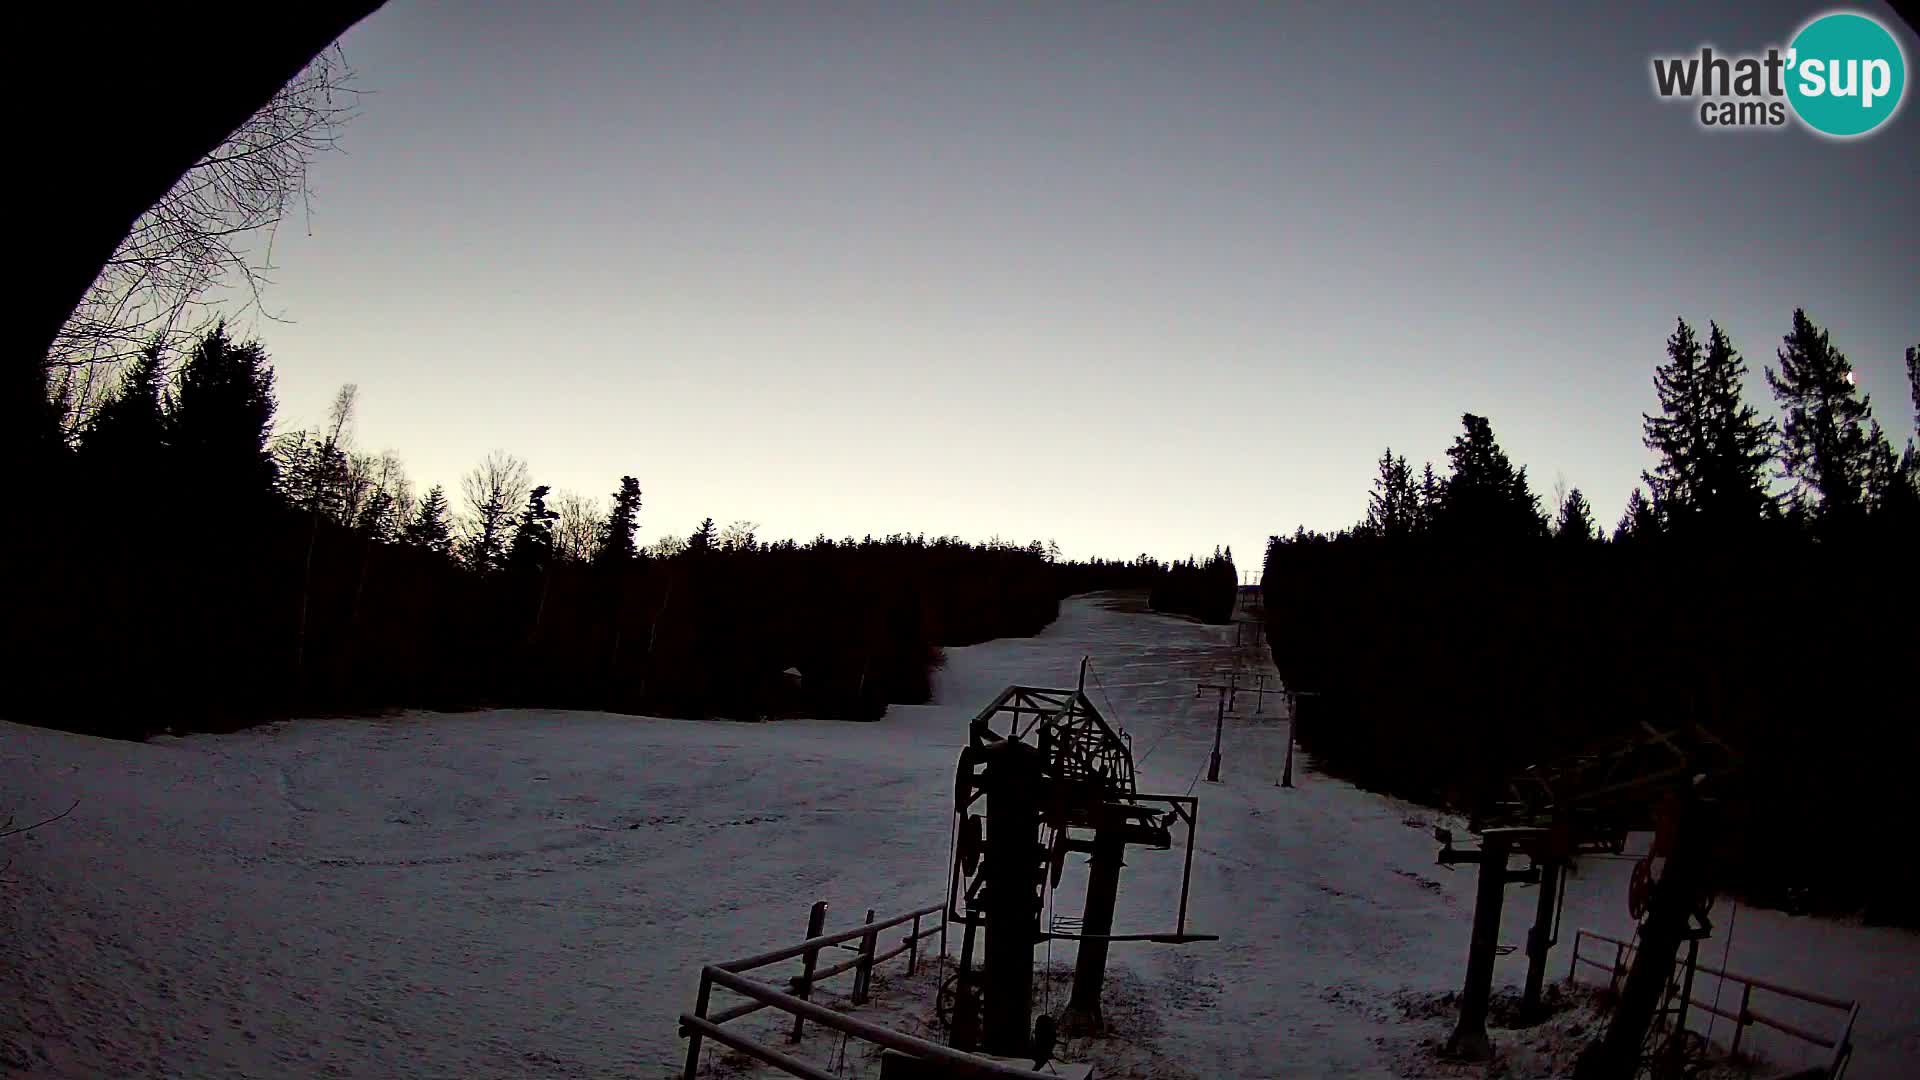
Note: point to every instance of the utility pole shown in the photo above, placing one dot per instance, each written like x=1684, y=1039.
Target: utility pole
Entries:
x=1219, y=723
x=1293, y=719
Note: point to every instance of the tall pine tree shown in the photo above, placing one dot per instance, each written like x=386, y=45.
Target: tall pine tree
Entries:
x=1825, y=448
x=127, y=434
x=1641, y=520
x=1485, y=499
x=220, y=418
x=1574, y=523
x=705, y=538
x=1393, y=508
x=1737, y=446
x=532, y=547
x=623, y=521
x=432, y=526
x=1678, y=435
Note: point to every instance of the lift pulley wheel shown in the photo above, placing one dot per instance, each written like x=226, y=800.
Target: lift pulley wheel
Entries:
x=972, y=843
x=963, y=780
x=1640, y=887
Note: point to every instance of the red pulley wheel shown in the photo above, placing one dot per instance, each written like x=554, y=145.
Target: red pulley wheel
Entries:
x=1640, y=887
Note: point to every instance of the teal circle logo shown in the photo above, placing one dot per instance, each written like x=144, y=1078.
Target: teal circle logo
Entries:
x=1845, y=74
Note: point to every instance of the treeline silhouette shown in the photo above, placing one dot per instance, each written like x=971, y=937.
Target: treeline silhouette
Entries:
x=189, y=570
x=1205, y=590
x=1457, y=635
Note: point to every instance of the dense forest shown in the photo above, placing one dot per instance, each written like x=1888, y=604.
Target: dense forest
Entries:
x=1205, y=590
x=202, y=572
x=1763, y=583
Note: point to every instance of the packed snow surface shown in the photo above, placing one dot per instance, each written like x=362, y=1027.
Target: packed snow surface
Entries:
x=530, y=893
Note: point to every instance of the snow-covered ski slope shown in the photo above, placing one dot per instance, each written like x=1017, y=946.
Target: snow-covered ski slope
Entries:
x=527, y=893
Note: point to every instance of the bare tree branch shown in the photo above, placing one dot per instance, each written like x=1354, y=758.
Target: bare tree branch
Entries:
x=8, y=829
x=213, y=230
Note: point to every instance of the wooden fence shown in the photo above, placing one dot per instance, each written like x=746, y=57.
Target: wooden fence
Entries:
x=701, y=1024
x=1839, y=1044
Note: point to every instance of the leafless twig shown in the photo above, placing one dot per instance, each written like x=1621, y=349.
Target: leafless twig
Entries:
x=8, y=828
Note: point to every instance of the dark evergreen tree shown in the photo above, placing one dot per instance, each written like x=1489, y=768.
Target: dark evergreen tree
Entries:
x=532, y=547
x=1486, y=499
x=1910, y=461
x=1427, y=504
x=221, y=414
x=1640, y=522
x=1574, y=522
x=623, y=521
x=1737, y=446
x=128, y=430
x=1678, y=435
x=1824, y=441
x=311, y=475
x=1393, y=508
x=432, y=526
x=706, y=538
x=379, y=517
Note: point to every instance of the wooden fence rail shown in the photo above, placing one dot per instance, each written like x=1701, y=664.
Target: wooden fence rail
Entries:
x=702, y=1024
x=1839, y=1043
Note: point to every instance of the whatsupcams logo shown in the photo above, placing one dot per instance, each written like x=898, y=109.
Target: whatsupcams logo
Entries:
x=1842, y=75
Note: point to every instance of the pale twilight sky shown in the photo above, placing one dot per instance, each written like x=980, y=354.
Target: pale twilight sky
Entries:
x=1136, y=277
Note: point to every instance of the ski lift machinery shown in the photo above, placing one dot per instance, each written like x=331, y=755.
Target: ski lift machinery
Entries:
x=1059, y=769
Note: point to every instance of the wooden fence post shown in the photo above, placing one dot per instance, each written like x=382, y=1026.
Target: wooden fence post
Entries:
x=863, y=968
x=816, y=925
x=913, y=947
x=693, y=1037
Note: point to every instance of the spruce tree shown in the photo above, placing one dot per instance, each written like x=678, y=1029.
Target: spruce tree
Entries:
x=705, y=538
x=1393, y=508
x=220, y=416
x=1824, y=440
x=532, y=547
x=1641, y=520
x=1574, y=522
x=378, y=517
x=1486, y=499
x=1678, y=435
x=128, y=430
x=623, y=521
x=432, y=526
x=1427, y=500
x=1910, y=461
x=1737, y=444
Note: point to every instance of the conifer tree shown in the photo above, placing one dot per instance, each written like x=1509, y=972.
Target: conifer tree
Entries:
x=1393, y=508
x=1486, y=499
x=128, y=430
x=1574, y=522
x=532, y=547
x=432, y=526
x=705, y=538
x=1678, y=435
x=1910, y=461
x=1824, y=434
x=378, y=518
x=623, y=522
x=1737, y=445
x=1640, y=522
x=1427, y=504
x=218, y=424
